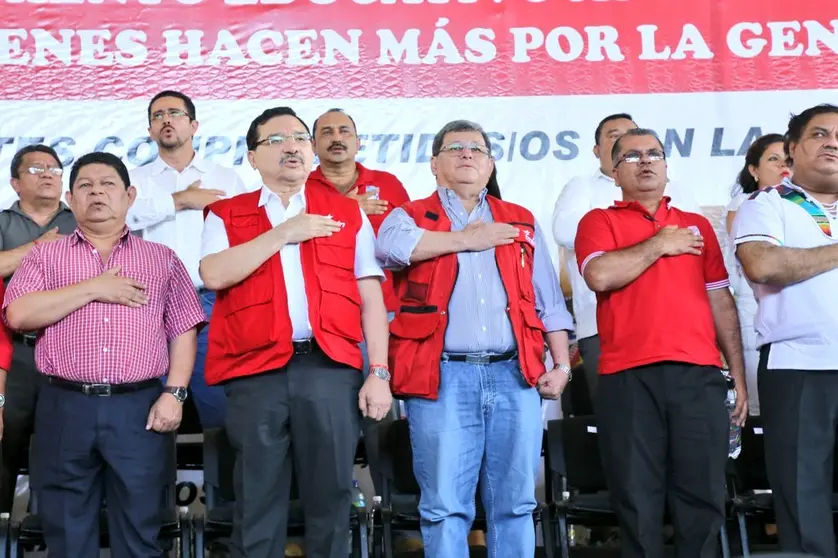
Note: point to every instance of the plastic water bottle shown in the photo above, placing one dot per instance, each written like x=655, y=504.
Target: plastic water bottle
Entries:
x=358, y=498
x=735, y=438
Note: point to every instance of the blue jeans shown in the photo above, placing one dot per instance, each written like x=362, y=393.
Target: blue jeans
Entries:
x=209, y=400
x=486, y=426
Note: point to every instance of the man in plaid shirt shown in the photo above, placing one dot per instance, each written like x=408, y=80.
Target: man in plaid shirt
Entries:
x=113, y=314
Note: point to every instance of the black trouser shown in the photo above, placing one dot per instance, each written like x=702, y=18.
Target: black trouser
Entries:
x=799, y=410
x=87, y=447
x=589, y=349
x=304, y=415
x=22, y=383
x=664, y=433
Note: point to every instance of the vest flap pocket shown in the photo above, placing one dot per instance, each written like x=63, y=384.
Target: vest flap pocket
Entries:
x=337, y=250
x=531, y=318
x=244, y=221
x=415, y=322
x=340, y=306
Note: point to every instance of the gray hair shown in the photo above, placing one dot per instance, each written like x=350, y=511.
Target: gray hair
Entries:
x=635, y=132
x=457, y=126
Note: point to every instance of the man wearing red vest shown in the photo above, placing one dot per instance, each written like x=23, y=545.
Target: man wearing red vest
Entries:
x=298, y=288
x=478, y=297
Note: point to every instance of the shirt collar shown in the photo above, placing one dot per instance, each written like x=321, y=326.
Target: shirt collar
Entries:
x=447, y=195
x=266, y=193
x=158, y=166
x=599, y=175
x=621, y=204
x=364, y=175
x=15, y=208
x=78, y=236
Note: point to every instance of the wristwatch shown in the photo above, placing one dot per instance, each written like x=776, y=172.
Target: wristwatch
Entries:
x=180, y=393
x=566, y=369
x=380, y=372
x=2, y=400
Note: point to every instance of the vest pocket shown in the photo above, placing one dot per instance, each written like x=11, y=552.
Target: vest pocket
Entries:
x=246, y=308
x=337, y=251
x=340, y=306
x=524, y=264
x=415, y=349
x=531, y=346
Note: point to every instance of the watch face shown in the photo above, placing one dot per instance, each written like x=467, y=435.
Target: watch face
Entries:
x=2, y=400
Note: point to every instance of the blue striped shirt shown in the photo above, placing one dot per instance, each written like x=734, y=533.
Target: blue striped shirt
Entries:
x=477, y=318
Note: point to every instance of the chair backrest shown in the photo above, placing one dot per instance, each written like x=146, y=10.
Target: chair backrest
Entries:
x=573, y=453
x=392, y=456
x=576, y=398
x=750, y=465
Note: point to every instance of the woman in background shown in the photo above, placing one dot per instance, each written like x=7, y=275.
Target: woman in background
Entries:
x=765, y=166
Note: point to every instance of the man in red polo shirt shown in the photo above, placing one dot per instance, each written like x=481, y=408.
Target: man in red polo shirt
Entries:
x=663, y=311
x=336, y=144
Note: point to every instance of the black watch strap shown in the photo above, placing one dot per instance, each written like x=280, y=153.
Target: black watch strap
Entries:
x=180, y=393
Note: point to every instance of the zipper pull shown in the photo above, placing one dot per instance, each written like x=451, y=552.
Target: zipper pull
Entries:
x=522, y=256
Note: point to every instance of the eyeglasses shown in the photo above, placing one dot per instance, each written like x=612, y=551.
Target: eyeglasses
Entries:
x=36, y=170
x=276, y=139
x=634, y=157
x=458, y=149
x=173, y=113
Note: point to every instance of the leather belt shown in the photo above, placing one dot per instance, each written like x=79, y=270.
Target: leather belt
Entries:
x=481, y=359
x=27, y=339
x=103, y=390
x=305, y=347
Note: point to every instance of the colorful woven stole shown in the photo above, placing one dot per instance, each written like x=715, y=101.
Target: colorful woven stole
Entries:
x=813, y=209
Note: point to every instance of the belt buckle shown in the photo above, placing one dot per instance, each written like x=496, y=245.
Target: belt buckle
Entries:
x=98, y=390
x=477, y=359
x=302, y=347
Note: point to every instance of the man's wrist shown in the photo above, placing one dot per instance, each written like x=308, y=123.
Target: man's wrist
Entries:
x=564, y=368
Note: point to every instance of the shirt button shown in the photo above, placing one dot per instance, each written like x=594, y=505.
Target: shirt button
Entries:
x=105, y=380
x=105, y=350
x=480, y=276
x=107, y=320
x=484, y=328
x=482, y=301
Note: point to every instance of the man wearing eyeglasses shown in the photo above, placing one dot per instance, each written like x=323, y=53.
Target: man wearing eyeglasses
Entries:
x=578, y=197
x=39, y=215
x=298, y=288
x=172, y=192
x=478, y=300
x=663, y=311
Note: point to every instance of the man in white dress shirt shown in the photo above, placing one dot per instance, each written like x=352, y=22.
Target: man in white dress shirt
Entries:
x=172, y=191
x=298, y=288
x=579, y=196
x=787, y=242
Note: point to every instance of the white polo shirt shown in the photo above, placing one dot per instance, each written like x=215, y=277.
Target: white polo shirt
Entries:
x=154, y=213
x=800, y=321
x=579, y=196
x=215, y=240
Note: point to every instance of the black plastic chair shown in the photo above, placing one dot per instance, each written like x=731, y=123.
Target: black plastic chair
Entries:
x=578, y=486
x=217, y=522
x=398, y=511
x=175, y=527
x=751, y=491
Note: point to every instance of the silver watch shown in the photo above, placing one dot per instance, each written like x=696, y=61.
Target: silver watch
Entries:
x=2, y=400
x=566, y=369
x=380, y=372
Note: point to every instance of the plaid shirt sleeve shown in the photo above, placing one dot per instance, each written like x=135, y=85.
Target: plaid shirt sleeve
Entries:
x=5, y=340
x=28, y=278
x=183, y=310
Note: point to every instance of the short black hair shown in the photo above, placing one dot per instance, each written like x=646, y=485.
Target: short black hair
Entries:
x=253, y=131
x=606, y=120
x=331, y=110
x=100, y=158
x=798, y=123
x=746, y=180
x=190, y=106
x=635, y=132
x=17, y=160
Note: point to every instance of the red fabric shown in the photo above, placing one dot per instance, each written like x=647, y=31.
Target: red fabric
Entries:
x=109, y=343
x=664, y=314
x=417, y=334
x=250, y=328
x=391, y=190
x=6, y=347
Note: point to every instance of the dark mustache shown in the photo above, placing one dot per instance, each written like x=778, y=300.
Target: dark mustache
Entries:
x=290, y=157
x=337, y=144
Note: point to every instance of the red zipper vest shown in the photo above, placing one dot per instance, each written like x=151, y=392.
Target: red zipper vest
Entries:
x=417, y=334
x=250, y=328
